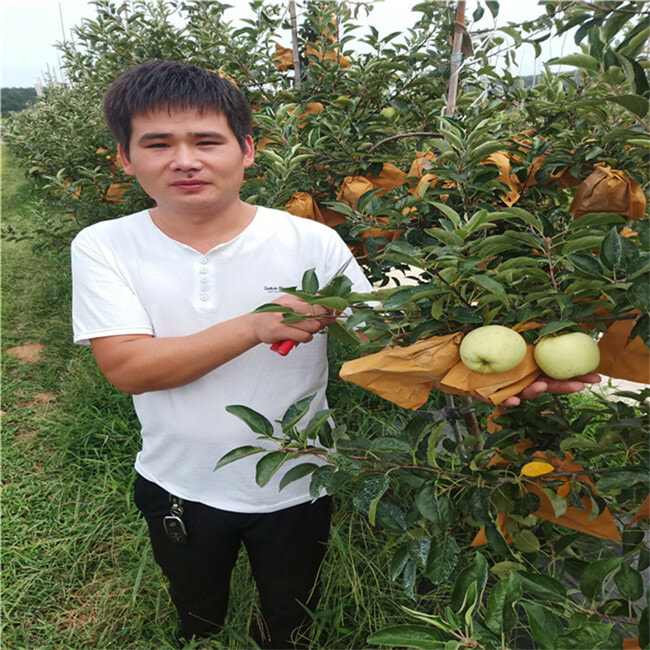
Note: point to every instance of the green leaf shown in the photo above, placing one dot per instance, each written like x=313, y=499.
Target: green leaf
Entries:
x=268, y=465
x=504, y=569
x=320, y=479
x=545, y=627
x=492, y=286
x=341, y=207
x=422, y=637
x=621, y=479
x=559, y=503
x=500, y=616
x=479, y=505
x=526, y=541
x=273, y=307
x=493, y=6
x=398, y=563
x=406, y=294
x=633, y=103
x=255, y=421
x=542, y=587
x=583, y=61
x=587, y=264
x=611, y=249
x=297, y=472
x=236, y=454
x=344, y=463
x=316, y=422
x=483, y=151
x=644, y=628
x=339, y=331
x=447, y=237
x=341, y=286
x=596, y=219
x=624, y=134
x=556, y=326
x=519, y=214
x=439, y=510
x=330, y=302
x=588, y=242
x=295, y=412
x=481, y=219
x=594, y=577
x=358, y=317
x=477, y=573
x=391, y=516
x=639, y=293
x=443, y=558
x=629, y=582
x=310, y=281
x=449, y=212
x=390, y=444
x=367, y=490
x=470, y=600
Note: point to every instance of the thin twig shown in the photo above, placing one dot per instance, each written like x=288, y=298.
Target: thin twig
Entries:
x=550, y=264
x=414, y=134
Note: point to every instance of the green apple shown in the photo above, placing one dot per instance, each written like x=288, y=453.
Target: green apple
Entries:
x=343, y=100
x=492, y=348
x=389, y=112
x=567, y=355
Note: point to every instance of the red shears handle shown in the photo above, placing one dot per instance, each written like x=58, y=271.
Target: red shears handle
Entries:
x=283, y=347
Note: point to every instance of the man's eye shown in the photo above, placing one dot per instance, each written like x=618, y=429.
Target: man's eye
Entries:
x=157, y=145
x=208, y=143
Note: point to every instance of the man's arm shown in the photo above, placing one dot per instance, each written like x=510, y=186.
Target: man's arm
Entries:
x=141, y=363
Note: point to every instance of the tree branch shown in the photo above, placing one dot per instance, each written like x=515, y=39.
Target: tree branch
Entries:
x=414, y=134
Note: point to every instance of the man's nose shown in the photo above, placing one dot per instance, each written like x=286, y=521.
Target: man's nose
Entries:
x=185, y=157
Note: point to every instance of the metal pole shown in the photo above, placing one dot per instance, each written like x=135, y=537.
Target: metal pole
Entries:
x=456, y=57
x=294, y=38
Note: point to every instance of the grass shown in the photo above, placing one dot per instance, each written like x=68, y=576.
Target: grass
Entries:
x=78, y=571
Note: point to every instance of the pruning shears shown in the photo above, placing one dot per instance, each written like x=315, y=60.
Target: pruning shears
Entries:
x=283, y=347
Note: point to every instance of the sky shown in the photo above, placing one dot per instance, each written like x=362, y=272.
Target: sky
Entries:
x=30, y=30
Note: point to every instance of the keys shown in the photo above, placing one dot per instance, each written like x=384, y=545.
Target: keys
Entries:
x=173, y=523
x=175, y=529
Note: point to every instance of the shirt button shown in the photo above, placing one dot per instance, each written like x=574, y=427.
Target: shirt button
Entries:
x=203, y=260
x=204, y=298
x=205, y=288
x=203, y=270
x=205, y=280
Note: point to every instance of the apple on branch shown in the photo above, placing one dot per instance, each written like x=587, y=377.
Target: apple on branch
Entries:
x=492, y=349
x=567, y=355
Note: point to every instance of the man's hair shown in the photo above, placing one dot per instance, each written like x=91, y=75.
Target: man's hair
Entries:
x=173, y=85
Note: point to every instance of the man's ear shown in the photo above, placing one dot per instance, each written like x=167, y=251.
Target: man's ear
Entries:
x=249, y=151
x=126, y=163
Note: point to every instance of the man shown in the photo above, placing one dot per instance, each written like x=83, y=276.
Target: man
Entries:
x=165, y=297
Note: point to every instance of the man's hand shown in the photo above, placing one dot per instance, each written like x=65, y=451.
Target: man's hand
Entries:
x=269, y=326
x=555, y=386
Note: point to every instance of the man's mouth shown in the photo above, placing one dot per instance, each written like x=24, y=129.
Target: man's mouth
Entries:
x=193, y=184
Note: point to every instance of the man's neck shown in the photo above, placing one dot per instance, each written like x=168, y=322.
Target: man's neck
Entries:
x=204, y=231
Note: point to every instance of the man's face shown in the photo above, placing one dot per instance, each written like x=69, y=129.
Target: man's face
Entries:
x=188, y=162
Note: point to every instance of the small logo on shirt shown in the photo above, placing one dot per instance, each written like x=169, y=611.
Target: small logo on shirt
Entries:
x=270, y=289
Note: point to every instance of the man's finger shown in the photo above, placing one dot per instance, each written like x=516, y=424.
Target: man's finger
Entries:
x=534, y=390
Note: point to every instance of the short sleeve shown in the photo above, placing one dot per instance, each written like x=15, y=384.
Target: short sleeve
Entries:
x=103, y=302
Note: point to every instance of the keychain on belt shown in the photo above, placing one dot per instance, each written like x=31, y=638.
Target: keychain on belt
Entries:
x=173, y=523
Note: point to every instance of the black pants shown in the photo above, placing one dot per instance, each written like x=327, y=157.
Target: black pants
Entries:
x=285, y=549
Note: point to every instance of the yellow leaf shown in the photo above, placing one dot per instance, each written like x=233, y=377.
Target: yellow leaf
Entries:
x=536, y=468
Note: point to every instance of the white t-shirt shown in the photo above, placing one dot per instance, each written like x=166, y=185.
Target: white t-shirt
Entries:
x=131, y=278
